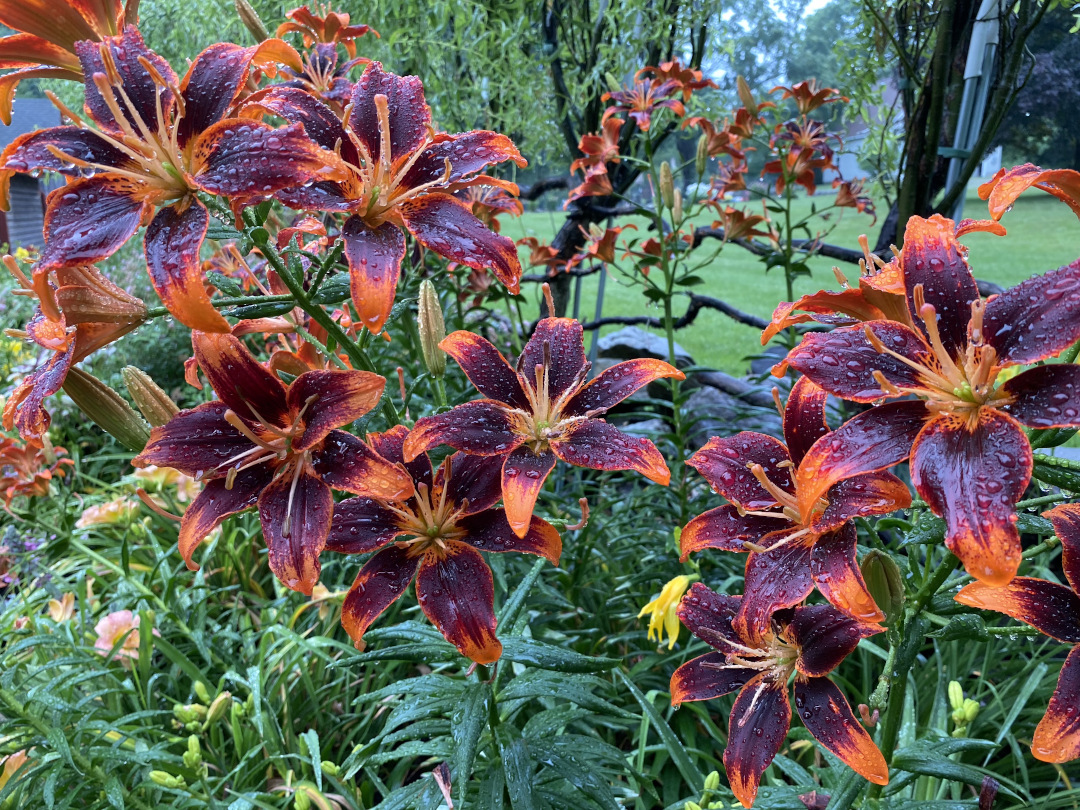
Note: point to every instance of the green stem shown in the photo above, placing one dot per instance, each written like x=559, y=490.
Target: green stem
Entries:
x=221, y=303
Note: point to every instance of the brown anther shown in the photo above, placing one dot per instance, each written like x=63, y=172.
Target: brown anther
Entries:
x=978, y=309
x=549, y=301
x=841, y=279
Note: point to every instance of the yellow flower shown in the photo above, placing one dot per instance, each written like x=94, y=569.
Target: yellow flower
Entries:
x=60, y=610
x=11, y=763
x=120, y=510
x=187, y=488
x=662, y=610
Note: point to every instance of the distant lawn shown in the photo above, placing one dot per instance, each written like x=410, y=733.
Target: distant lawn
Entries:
x=1043, y=235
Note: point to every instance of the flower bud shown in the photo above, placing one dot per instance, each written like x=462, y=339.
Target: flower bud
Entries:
x=712, y=781
x=107, y=409
x=667, y=185
x=301, y=801
x=432, y=329
x=201, y=692
x=218, y=708
x=884, y=582
x=152, y=402
x=251, y=20
x=691, y=806
x=193, y=755
x=167, y=780
x=745, y=95
x=701, y=159
x=190, y=713
x=613, y=84
x=956, y=695
x=676, y=207
x=330, y=768
x=970, y=710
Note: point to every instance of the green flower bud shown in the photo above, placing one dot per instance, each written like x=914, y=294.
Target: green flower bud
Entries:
x=218, y=708
x=691, y=806
x=712, y=781
x=201, y=692
x=251, y=20
x=429, y=319
x=701, y=160
x=746, y=96
x=167, y=780
x=152, y=402
x=301, y=800
x=970, y=710
x=107, y=409
x=667, y=185
x=329, y=768
x=193, y=755
x=676, y=207
x=885, y=583
x=190, y=713
x=956, y=695
x=614, y=85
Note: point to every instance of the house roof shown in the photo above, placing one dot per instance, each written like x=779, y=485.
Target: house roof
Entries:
x=28, y=114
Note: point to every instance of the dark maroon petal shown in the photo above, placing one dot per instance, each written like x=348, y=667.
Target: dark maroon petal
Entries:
x=1045, y=396
x=25, y=408
x=409, y=115
x=597, y=445
x=843, y=361
x=825, y=637
x=446, y=226
x=346, y=463
x=615, y=384
x=1057, y=737
x=934, y=259
x=775, y=579
x=173, y=241
x=295, y=512
x=380, y=582
x=1066, y=520
x=486, y=368
x=1036, y=319
x=708, y=615
x=490, y=531
x=483, y=427
x=476, y=479
x=973, y=478
x=759, y=722
x=835, y=568
x=827, y=715
x=300, y=107
x=240, y=381
x=361, y=525
x=321, y=196
x=467, y=153
x=89, y=220
x=706, y=677
x=391, y=446
x=1051, y=608
x=725, y=529
x=457, y=594
x=861, y=496
x=562, y=341
x=374, y=257
x=128, y=53
x=30, y=152
x=332, y=398
x=804, y=418
x=215, y=503
x=196, y=442
x=523, y=476
x=725, y=463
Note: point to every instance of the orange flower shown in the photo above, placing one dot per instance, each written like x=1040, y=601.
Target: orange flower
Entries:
x=27, y=470
x=644, y=98
x=1002, y=190
x=808, y=96
x=332, y=27
x=599, y=148
x=850, y=194
x=688, y=79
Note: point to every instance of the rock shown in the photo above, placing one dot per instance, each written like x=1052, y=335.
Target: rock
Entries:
x=629, y=343
x=715, y=413
x=762, y=365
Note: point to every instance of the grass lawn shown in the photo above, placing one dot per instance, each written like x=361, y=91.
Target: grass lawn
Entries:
x=1043, y=235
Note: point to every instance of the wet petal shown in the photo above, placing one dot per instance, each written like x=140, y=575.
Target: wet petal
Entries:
x=490, y=531
x=1066, y=520
x=1006, y=186
x=774, y=580
x=706, y=677
x=1057, y=737
x=391, y=446
x=843, y=361
x=596, y=445
x=24, y=409
x=361, y=525
x=9, y=83
x=323, y=195
x=409, y=115
x=973, y=479
x=1045, y=396
x=861, y=496
x=1051, y=608
x=378, y=585
x=374, y=258
x=476, y=479
x=759, y=722
x=485, y=367
x=457, y=594
x=827, y=715
x=239, y=380
x=468, y=153
x=346, y=463
x=90, y=219
x=30, y=152
x=295, y=512
x=446, y=226
x=19, y=50
x=834, y=566
x=709, y=615
x=331, y=399
x=523, y=476
x=562, y=342
x=1036, y=319
x=615, y=384
x=725, y=529
x=483, y=428
x=725, y=463
x=933, y=258
x=129, y=52
x=196, y=442
x=214, y=504
x=825, y=637
x=804, y=418
x=300, y=107
x=850, y=303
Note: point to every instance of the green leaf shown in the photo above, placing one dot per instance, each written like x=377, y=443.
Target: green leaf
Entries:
x=965, y=627
x=182, y=661
x=517, y=766
x=466, y=725
x=334, y=290
x=548, y=656
x=921, y=759
x=114, y=792
x=311, y=737
x=268, y=310
x=229, y=286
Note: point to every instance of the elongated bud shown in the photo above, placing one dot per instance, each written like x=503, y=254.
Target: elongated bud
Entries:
x=667, y=185
x=432, y=329
x=956, y=695
x=153, y=403
x=190, y=713
x=691, y=806
x=701, y=159
x=202, y=693
x=712, y=781
x=885, y=583
x=745, y=95
x=676, y=207
x=107, y=409
x=193, y=755
x=613, y=84
x=330, y=768
x=218, y=708
x=251, y=20
x=167, y=780
x=971, y=710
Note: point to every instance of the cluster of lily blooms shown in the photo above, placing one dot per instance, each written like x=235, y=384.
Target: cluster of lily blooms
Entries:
x=914, y=342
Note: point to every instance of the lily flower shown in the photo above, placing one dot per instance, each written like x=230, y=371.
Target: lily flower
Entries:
x=397, y=176
x=662, y=610
x=542, y=411
x=850, y=194
x=323, y=76
x=719, y=139
x=488, y=203
x=599, y=148
x=265, y=444
x=435, y=538
x=970, y=458
x=644, y=99
x=807, y=642
x=157, y=141
x=1054, y=610
x=688, y=79
x=808, y=96
x=597, y=183
x=795, y=543
x=26, y=469
x=333, y=27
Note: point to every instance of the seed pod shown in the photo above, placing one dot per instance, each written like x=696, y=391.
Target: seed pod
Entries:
x=667, y=185
x=107, y=409
x=701, y=160
x=153, y=403
x=251, y=20
x=429, y=318
x=885, y=583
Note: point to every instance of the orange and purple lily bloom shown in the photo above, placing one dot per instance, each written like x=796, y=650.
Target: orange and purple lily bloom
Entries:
x=277, y=447
x=807, y=642
x=435, y=538
x=396, y=175
x=153, y=140
x=1052, y=609
x=542, y=411
x=794, y=545
x=961, y=426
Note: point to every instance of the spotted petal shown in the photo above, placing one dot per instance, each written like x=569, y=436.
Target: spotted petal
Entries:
x=346, y=463
x=725, y=529
x=300, y=107
x=216, y=503
x=827, y=715
x=706, y=677
x=197, y=442
x=709, y=615
x=804, y=418
x=1066, y=520
x=861, y=496
x=485, y=367
x=595, y=444
x=835, y=568
x=849, y=303
x=374, y=257
x=1036, y=319
x=31, y=152
x=90, y=219
x=361, y=525
x=456, y=592
x=775, y=579
x=825, y=637
x=408, y=115
x=490, y=531
x=380, y=582
x=560, y=344
x=483, y=427
x=615, y=384
x=759, y=722
x=295, y=511
x=1007, y=185
x=523, y=476
x=1045, y=396
x=1051, y=608
x=467, y=153
x=239, y=380
x=332, y=398
x=725, y=464
x=473, y=479
x=25, y=409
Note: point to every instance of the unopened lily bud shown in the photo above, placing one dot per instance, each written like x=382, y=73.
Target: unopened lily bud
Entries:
x=236, y=713
x=190, y=713
x=193, y=755
x=107, y=409
x=971, y=710
x=201, y=692
x=329, y=768
x=301, y=801
x=218, y=708
x=667, y=185
x=432, y=329
x=167, y=780
x=613, y=84
x=701, y=159
x=745, y=95
x=676, y=207
x=691, y=806
x=251, y=20
x=956, y=695
x=712, y=781
x=153, y=403
x=885, y=583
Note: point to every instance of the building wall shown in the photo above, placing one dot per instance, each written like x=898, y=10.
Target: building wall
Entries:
x=26, y=218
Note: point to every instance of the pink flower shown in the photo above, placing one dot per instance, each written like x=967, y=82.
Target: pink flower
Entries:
x=123, y=624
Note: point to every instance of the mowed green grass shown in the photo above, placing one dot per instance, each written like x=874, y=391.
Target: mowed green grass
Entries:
x=1043, y=235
